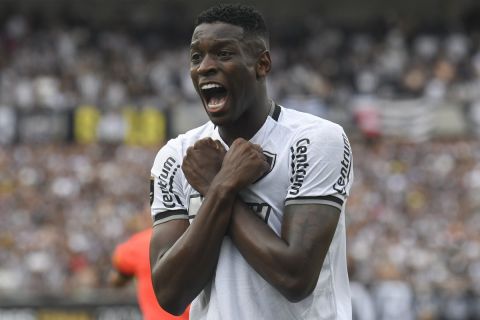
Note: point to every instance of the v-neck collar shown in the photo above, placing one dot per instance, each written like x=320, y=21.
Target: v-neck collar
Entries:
x=264, y=131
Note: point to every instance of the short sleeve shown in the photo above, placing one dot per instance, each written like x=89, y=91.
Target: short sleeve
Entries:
x=167, y=198
x=321, y=166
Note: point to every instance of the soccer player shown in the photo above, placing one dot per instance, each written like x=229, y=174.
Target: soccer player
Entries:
x=248, y=208
x=131, y=260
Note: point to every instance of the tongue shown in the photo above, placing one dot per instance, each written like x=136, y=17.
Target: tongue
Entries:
x=216, y=101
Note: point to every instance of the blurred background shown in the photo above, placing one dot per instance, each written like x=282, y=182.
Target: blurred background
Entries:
x=90, y=90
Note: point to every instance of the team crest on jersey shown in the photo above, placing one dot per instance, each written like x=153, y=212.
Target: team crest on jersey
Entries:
x=271, y=159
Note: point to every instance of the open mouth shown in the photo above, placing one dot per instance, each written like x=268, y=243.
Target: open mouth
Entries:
x=215, y=95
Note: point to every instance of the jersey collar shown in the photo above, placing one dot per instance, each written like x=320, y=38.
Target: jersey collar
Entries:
x=264, y=131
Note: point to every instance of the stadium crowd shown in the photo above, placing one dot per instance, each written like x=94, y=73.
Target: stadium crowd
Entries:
x=60, y=67
x=413, y=215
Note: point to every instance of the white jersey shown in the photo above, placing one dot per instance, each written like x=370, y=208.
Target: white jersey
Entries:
x=311, y=163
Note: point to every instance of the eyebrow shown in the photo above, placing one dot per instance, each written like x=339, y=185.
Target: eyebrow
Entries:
x=217, y=42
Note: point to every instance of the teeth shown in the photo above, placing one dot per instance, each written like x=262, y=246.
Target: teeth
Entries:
x=215, y=106
x=210, y=86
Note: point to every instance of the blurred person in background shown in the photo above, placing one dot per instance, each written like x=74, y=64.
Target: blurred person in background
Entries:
x=363, y=307
x=131, y=261
x=393, y=296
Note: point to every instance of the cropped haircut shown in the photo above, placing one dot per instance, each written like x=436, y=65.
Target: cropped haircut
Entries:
x=246, y=17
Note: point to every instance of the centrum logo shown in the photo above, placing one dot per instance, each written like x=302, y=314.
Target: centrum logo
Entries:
x=165, y=182
x=346, y=164
x=299, y=165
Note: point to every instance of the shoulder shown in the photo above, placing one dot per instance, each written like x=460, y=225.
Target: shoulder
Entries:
x=174, y=150
x=186, y=139
x=307, y=126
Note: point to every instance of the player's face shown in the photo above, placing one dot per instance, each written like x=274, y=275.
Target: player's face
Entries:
x=222, y=68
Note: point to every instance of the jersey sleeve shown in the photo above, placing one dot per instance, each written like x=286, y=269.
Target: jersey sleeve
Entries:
x=167, y=199
x=321, y=167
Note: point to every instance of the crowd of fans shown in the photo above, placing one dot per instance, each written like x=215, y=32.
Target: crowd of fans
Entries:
x=413, y=215
x=61, y=67
x=413, y=219
x=64, y=208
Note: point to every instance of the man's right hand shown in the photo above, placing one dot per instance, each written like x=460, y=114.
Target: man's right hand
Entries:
x=202, y=163
x=243, y=164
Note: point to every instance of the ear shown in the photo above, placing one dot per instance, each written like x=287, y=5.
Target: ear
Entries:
x=264, y=64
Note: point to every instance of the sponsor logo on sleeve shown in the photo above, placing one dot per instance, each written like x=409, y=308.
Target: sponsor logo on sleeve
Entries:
x=298, y=165
x=346, y=166
x=165, y=182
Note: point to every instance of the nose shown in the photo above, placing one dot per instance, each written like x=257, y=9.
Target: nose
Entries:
x=207, y=66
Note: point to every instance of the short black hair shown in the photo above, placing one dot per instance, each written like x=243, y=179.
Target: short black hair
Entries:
x=244, y=16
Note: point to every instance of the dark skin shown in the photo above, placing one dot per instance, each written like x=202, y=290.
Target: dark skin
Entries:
x=221, y=53
x=184, y=256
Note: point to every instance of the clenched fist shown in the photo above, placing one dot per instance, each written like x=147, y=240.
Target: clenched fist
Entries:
x=202, y=162
x=243, y=164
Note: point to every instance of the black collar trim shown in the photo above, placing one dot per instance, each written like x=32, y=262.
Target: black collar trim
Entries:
x=276, y=112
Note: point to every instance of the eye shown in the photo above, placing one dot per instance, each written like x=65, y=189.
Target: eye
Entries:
x=195, y=57
x=225, y=54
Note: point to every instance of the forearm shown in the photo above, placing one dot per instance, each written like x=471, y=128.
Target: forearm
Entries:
x=276, y=258
x=187, y=260
x=182, y=271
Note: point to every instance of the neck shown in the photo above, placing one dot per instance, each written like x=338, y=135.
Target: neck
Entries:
x=248, y=124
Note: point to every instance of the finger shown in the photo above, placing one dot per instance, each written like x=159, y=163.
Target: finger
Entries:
x=257, y=146
x=185, y=167
x=238, y=141
x=199, y=143
x=219, y=145
x=189, y=151
x=205, y=142
x=212, y=143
